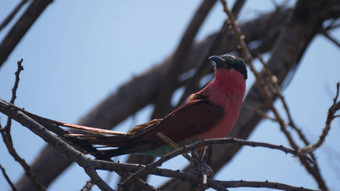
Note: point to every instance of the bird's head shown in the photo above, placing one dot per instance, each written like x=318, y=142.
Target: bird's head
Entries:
x=229, y=62
x=229, y=82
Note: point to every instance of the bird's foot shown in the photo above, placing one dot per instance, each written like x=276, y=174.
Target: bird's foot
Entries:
x=202, y=168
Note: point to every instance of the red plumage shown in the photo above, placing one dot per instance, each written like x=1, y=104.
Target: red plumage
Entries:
x=209, y=113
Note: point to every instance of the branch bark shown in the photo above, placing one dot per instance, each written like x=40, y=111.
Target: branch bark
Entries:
x=21, y=27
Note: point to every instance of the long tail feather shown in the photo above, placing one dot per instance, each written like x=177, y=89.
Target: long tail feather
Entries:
x=96, y=131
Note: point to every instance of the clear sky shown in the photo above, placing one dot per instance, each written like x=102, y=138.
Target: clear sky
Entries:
x=78, y=52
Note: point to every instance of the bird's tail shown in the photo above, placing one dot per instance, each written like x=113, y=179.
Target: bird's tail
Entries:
x=87, y=139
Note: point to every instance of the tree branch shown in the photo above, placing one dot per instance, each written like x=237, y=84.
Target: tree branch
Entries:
x=7, y=138
x=330, y=116
x=192, y=177
x=54, y=141
x=7, y=178
x=12, y=14
x=21, y=27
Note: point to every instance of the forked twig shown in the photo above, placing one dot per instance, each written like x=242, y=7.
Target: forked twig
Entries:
x=145, y=170
x=170, y=142
x=7, y=138
x=330, y=117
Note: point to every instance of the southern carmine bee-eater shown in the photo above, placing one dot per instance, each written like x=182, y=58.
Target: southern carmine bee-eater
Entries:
x=210, y=113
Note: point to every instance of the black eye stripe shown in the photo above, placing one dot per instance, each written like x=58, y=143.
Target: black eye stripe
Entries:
x=236, y=63
x=241, y=68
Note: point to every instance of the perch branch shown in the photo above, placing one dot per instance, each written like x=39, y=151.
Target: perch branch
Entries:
x=194, y=178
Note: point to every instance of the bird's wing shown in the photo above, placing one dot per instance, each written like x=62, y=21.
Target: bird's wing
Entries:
x=195, y=117
x=191, y=119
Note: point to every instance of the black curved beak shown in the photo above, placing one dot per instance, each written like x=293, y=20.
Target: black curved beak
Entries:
x=220, y=62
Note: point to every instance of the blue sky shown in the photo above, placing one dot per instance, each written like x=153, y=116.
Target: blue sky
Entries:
x=78, y=52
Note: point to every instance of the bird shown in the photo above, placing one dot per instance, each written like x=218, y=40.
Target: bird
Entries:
x=209, y=113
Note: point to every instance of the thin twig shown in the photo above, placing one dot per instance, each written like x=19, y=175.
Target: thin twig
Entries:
x=276, y=88
x=329, y=37
x=14, y=91
x=174, y=145
x=331, y=115
x=7, y=138
x=7, y=128
x=258, y=184
x=147, y=168
x=7, y=178
x=273, y=81
x=258, y=111
x=9, y=145
x=88, y=186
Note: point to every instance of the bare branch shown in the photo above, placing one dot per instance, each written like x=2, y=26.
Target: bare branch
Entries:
x=330, y=116
x=56, y=142
x=88, y=186
x=12, y=14
x=20, y=28
x=266, y=184
x=272, y=80
x=170, y=142
x=14, y=92
x=146, y=170
x=257, y=110
x=329, y=37
x=7, y=138
x=194, y=178
x=17, y=79
x=7, y=178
